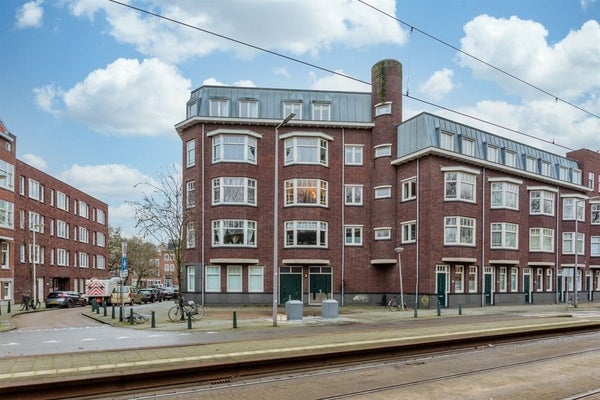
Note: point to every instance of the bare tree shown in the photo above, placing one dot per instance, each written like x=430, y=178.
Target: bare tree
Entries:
x=161, y=216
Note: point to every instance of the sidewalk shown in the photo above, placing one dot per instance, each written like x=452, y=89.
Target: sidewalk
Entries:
x=355, y=327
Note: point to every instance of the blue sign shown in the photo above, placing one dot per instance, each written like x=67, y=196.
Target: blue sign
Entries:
x=124, y=264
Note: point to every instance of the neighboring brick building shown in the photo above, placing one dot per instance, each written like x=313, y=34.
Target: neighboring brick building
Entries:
x=50, y=232
x=464, y=216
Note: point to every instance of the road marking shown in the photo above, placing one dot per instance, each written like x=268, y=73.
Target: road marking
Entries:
x=51, y=341
x=11, y=344
x=124, y=337
x=88, y=339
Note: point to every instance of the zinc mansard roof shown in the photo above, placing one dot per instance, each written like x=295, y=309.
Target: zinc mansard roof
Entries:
x=423, y=133
x=345, y=107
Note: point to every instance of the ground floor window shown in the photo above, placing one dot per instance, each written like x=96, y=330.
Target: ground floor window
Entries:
x=502, y=279
x=459, y=279
x=549, y=280
x=234, y=278
x=514, y=279
x=213, y=279
x=190, y=273
x=472, y=279
x=539, y=280
x=256, y=279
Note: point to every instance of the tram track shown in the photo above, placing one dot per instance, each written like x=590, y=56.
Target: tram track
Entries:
x=229, y=371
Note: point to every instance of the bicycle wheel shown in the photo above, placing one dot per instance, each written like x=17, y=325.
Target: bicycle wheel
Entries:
x=139, y=318
x=200, y=312
x=175, y=314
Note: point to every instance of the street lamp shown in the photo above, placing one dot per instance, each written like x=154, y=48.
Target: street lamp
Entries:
x=276, y=213
x=575, y=271
x=34, y=227
x=399, y=250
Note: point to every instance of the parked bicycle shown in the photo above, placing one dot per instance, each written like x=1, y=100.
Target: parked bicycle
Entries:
x=137, y=318
x=394, y=305
x=182, y=309
x=28, y=303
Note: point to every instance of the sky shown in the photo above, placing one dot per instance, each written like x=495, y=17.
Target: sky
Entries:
x=93, y=88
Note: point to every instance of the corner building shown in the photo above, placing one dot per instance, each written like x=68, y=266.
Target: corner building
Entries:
x=368, y=206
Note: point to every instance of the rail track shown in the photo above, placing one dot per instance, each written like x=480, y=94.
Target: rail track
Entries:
x=229, y=371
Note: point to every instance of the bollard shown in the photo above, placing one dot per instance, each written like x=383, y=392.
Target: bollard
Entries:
x=153, y=319
x=131, y=316
x=121, y=314
x=104, y=307
x=8, y=309
x=234, y=320
x=113, y=312
x=189, y=315
x=459, y=308
x=416, y=311
x=0, y=308
x=97, y=307
x=439, y=308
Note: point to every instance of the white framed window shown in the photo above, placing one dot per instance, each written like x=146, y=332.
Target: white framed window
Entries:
x=541, y=202
x=459, y=279
x=549, y=279
x=306, y=150
x=234, y=148
x=234, y=190
x=36, y=190
x=100, y=262
x=4, y=255
x=190, y=194
x=84, y=210
x=595, y=213
x=100, y=239
x=384, y=150
x=190, y=235
x=7, y=175
x=62, y=229
x=321, y=111
x=213, y=279
x=294, y=107
x=459, y=186
x=353, y=154
x=353, y=195
x=505, y=195
x=563, y=173
x=100, y=216
x=383, y=192
x=190, y=152
x=256, y=278
x=383, y=108
x=219, y=108
x=504, y=235
x=7, y=214
x=234, y=278
x=572, y=206
x=353, y=236
x=502, y=279
x=62, y=257
x=577, y=176
x=514, y=279
x=459, y=231
x=233, y=232
x=546, y=168
x=531, y=164
x=383, y=233
x=468, y=146
x=409, y=231
x=306, y=234
x=510, y=158
x=447, y=140
x=306, y=192
x=539, y=280
x=190, y=275
x=591, y=177
x=541, y=239
x=248, y=109
x=595, y=246
x=409, y=189
x=472, y=279
x=568, y=244
x=84, y=235
x=493, y=153
x=84, y=260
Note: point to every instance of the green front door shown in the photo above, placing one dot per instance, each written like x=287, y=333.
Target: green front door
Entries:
x=290, y=287
x=488, y=289
x=441, y=289
x=320, y=288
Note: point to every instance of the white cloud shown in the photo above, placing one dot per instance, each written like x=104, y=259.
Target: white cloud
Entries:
x=35, y=161
x=337, y=82
x=30, y=15
x=567, y=68
x=302, y=28
x=439, y=84
x=128, y=98
x=586, y=3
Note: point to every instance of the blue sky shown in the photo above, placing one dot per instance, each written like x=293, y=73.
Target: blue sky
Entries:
x=92, y=88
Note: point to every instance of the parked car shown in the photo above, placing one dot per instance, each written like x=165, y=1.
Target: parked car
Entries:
x=131, y=295
x=157, y=294
x=148, y=295
x=65, y=299
x=169, y=293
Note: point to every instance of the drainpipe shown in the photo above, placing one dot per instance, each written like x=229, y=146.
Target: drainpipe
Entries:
x=343, y=216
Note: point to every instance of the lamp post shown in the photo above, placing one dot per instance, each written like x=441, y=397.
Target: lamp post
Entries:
x=276, y=214
x=575, y=270
x=399, y=250
x=34, y=227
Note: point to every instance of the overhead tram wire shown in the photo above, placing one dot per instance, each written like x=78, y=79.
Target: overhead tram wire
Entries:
x=531, y=85
x=296, y=60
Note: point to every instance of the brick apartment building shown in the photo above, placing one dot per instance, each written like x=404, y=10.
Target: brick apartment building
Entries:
x=364, y=200
x=52, y=236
